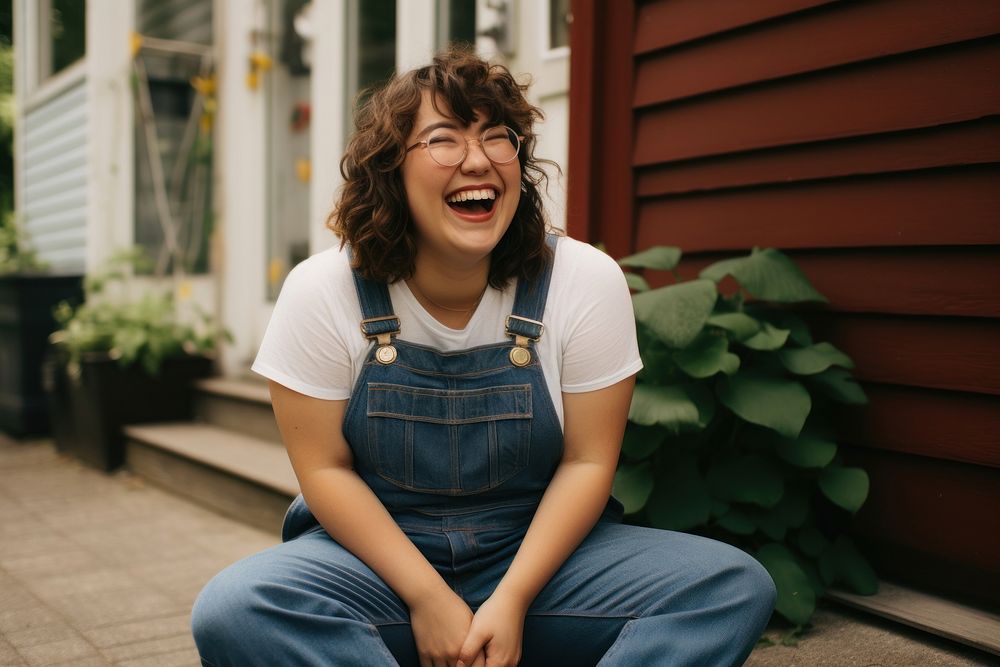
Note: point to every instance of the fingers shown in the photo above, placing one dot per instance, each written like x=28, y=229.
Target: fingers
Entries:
x=472, y=650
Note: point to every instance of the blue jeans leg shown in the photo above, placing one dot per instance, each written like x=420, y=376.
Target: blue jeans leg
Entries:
x=677, y=599
x=305, y=602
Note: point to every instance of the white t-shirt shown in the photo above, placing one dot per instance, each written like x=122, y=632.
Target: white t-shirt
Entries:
x=313, y=343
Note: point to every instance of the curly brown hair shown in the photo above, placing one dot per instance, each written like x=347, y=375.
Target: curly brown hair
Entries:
x=372, y=213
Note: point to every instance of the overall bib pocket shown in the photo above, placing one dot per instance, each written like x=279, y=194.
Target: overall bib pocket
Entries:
x=448, y=441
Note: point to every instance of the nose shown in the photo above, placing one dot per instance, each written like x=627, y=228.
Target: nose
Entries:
x=475, y=161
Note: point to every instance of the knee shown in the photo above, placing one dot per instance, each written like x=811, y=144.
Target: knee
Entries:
x=750, y=586
x=218, y=611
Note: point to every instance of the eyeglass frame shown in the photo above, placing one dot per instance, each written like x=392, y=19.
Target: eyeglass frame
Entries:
x=465, y=153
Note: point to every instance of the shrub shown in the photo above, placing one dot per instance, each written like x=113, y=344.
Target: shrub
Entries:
x=731, y=429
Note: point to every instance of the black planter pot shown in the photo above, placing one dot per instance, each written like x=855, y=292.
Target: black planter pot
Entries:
x=26, y=303
x=88, y=412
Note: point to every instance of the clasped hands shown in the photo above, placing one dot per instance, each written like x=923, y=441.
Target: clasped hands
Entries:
x=448, y=634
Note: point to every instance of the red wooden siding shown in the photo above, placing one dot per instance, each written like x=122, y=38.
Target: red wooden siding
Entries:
x=864, y=139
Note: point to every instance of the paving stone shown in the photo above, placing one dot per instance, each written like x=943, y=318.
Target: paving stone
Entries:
x=150, y=648
x=71, y=559
x=41, y=634
x=186, y=658
x=9, y=657
x=137, y=631
x=13, y=595
x=66, y=650
x=119, y=606
x=84, y=662
x=14, y=620
x=37, y=541
x=94, y=582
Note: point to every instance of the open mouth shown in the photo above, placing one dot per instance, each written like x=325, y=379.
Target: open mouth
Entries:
x=473, y=202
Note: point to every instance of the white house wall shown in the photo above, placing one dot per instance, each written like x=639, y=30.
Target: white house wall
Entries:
x=53, y=178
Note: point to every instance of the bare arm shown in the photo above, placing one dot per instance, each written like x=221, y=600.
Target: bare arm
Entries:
x=353, y=516
x=571, y=505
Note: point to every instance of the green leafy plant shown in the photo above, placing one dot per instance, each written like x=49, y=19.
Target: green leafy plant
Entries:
x=731, y=429
x=143, y=329
x=16, y=254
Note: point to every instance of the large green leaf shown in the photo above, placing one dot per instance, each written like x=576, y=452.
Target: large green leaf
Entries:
x=741, y=325
x=632, y=486
x=767, y=274
x=676, y=313
x=768, y=338
x=839, y=385
x=806, y=451
x=707, y=355
x=793, y=508
x=746, y=479
x=662, y=258
x=796, y=597
x=770, y=522
x=776, y=403
x=680, y=500
x=636, y=282
x=782, y=319
x=812, y=542
x=641, y=441
x=813, y=359
x=846, y=487
x=738, y=522
x=852, y=567
x=668, y=406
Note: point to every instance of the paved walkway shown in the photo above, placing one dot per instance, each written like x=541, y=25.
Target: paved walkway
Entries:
x=102, y=570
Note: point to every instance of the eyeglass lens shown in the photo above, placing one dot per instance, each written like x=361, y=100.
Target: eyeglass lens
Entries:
x=448, y=147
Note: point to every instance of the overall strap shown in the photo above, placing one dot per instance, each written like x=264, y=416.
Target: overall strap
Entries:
x=379, y=322
x=525, y=320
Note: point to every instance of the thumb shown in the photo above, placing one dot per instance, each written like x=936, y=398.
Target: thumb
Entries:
x=471, y=649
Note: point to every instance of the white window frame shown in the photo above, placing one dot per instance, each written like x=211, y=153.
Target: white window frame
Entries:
x=547, y=51
x=40, y=87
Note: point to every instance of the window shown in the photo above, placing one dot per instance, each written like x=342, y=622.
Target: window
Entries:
x=63, y=38
x=559, y=18
x=456, y=23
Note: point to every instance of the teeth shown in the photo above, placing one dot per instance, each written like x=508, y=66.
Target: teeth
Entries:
x=466, y=195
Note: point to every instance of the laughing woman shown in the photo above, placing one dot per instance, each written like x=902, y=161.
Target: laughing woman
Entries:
x=452, y=383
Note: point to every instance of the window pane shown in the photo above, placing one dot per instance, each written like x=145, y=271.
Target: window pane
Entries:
x=289, y=109
x=376, y=42
x=458, y=24
x=185, y=177
x=67, y=31
x=558, y=23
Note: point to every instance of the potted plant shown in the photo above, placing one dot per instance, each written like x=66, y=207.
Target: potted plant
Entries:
x=28, y=293
x=124, y=358
x=732, y=427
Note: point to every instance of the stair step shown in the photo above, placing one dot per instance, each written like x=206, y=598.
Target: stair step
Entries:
x=242, y=406
x=234, y=474
x=939, y=616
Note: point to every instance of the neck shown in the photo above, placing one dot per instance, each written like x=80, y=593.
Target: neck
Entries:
x=447, y=286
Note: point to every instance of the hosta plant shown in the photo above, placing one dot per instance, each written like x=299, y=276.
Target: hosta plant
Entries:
x=731, y=430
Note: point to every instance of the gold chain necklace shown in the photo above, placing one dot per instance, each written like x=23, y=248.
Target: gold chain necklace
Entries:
x=413, y=285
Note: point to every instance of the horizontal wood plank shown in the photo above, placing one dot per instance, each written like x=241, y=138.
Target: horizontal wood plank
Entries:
x=932, y=87
x=951, y=426
x=973, y=142
x=813, y=41
x=931, y=522
x=956, y=354
x=911, y=281
x=666, y=23
x=939, y=207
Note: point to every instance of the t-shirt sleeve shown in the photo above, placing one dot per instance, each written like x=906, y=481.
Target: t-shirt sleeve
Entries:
x=305, y=345
x=599, y=344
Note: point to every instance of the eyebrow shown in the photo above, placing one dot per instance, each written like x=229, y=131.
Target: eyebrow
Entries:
x=434, y=126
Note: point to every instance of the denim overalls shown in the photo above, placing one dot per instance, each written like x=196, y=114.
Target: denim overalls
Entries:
x=459, y=447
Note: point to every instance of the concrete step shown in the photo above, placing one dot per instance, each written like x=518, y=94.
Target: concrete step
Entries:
x=239, y=405
x=238, y=475
x=976, y=627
